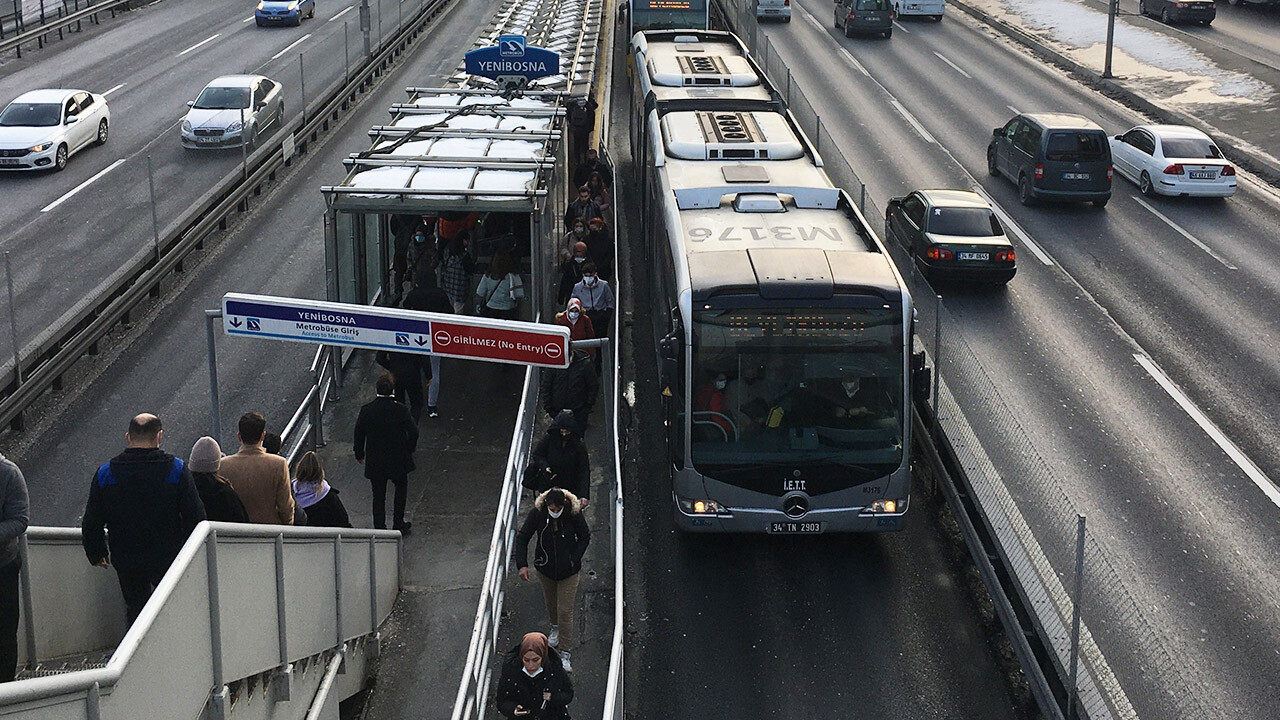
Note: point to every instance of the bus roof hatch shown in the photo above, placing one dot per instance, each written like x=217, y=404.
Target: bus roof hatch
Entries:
x=786, y=274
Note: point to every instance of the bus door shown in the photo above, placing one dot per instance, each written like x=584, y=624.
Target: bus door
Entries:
x=672, y=375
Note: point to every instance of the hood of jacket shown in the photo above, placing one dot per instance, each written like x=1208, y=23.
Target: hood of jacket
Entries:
x=571, y=502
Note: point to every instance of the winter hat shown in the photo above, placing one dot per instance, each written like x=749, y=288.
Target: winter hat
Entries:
x=564, y=421
x=205, y=455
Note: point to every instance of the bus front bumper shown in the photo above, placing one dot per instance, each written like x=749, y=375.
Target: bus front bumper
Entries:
x=775, y=522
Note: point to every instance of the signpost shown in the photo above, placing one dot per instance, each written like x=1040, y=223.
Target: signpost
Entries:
x=395, y=330
x=511, y=61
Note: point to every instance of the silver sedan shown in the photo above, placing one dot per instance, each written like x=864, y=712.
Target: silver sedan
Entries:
x=42, y=128
x=233, y=110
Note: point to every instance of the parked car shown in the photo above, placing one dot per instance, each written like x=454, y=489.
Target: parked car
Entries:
x=865, y=16
x=233, y=110
x=1173, y=160
x=283, y=12
x=776, y=9
x=41, y=129
x=1058, y=156
x=951, y=233
x=926, y=8
x=1171, y=11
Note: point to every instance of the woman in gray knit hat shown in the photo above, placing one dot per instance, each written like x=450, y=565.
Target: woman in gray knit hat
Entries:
x=220, y=500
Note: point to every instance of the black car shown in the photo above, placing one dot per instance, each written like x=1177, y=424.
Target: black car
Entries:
x=872, y=17
x=951, y=233
x=1056, y=156
x=1171, y=11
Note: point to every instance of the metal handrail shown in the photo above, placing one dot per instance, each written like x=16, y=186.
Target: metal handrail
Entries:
x=58, y=23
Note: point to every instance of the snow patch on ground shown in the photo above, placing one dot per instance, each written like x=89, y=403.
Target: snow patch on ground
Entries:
x=1160, y=64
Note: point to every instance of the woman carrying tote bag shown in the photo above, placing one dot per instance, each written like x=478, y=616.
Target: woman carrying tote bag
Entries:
x=500, y=290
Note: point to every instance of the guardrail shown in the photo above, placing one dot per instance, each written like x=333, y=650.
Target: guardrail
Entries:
x=78, y=331
x=56, y=24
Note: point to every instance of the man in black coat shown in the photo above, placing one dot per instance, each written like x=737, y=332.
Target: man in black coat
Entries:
x=562, y=534
x=560, y=460
x=573, y=388
x=406, y=372
x=148, y=501
x=386, y=436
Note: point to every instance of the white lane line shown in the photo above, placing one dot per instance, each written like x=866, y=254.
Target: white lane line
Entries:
x=1015, y=227
x=895, y=24
x=1241, y=460
x=113, y=89
x=854, y=62
x=209, y=39
x=1185, y=234
x=1015, y=110
x=812, y=21
x=291, y=46
x=954, y=66
x=911, y=119
x=847, y=55
x=81, y=186
x=344, y=12
x=248, y=19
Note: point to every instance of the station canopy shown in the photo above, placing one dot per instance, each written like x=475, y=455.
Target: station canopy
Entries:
x=470, y=145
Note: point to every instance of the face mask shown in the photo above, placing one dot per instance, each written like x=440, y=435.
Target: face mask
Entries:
x=580, y=260
x=556, y=513
x=535, y=673
x=579, y=231
x=850, y=387
x=721, y=383
x=419, y=238
x=574, y=315
x=590, y=280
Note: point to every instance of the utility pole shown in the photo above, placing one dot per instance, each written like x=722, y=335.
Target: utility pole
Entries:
x=1112, y=8
x=366, y=24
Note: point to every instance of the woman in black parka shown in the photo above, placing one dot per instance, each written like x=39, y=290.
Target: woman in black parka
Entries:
x=534, y=685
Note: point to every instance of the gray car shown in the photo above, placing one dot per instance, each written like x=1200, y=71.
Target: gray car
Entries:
x=233, y=110
x=1053, y=156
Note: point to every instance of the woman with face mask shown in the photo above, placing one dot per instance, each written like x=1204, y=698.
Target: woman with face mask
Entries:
x=562, y=538
x=576, y=320
x=571, y=271
x=535, y=684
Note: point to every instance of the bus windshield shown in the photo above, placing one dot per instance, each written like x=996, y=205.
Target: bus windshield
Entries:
x=668, y=15
x=821, y=388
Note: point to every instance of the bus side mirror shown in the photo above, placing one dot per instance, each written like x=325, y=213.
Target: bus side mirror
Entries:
x=921, y=377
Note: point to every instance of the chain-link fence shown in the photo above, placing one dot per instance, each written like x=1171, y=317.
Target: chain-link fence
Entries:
x=1026, y=504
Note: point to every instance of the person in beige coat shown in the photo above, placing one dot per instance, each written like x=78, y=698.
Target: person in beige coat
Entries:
x=258, y=477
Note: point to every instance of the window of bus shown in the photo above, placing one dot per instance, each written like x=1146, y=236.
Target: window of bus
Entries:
x=668, y=14
x=817, y=387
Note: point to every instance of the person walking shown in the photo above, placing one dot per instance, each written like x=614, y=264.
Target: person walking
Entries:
x=500, y=290
x=260, y=478
x=221, y=503
x=582, y=208
x=560, y=460
x=577, y=234
x=315, y=495
x=599, y=193
x=385, y=438
x=14, y=519
x=147, y=500
x=456, y=268
x=593, y=163
x=597, y=298
x=534, y=684
x=428, y=297
x=406, y=371
x=562, y=537
x=579, y=324
x=600, y=246
x=571, y=271
x=420, y=260
x=573, y=388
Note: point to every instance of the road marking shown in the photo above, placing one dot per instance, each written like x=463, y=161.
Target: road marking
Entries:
x=1241, y=460
x=1186, y=234
x=1015, y=227
x=344, y=12
x=911, y=119
x=854, y=61
x=812, y=20
x=1015, y=110
x=209, y=39
x=81, y=186
x=895, y=24
x=954, y=66
x=113, y=89
x=247, y=19
x=291, y=46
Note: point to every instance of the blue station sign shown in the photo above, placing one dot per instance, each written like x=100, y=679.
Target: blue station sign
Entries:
x=512, y=58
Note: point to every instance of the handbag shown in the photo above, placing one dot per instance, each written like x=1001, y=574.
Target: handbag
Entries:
x=532, y=475
x=517, y=287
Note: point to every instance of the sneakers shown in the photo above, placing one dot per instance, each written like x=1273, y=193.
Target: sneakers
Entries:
x=564, y=660
x=432, y=411
x=554, y=638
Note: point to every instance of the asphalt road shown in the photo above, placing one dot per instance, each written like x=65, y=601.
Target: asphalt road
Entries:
x=1247, y=30
x=870, y=626
x=160, y=365
x=1054, y=388
x=151, y=63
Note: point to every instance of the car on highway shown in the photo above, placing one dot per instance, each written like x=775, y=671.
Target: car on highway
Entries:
x=869, y=17
x=951, y=234
x=41, y=129
x=773, y=9
x=1055, y=156
x=1180, y=11
x=920, y=8
x=283, y=12
x=233, y=110
x=1173, y=160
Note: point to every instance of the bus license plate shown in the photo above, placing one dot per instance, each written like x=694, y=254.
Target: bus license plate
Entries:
x=1075, y=176
x=795, y=528
x=974, y=256
x=1203, y=175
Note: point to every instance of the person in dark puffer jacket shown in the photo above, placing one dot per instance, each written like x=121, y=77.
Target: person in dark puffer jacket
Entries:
x=534, y=684
x=560, y=460
x=221, y=503
x=315, y=495
x=573, y=388
x=563, y=536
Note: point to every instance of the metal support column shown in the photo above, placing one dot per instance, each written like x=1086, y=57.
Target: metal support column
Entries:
x=281, y=677
x=1075, y=619
x=220, y=701
x=216, y=422
x=937, y=367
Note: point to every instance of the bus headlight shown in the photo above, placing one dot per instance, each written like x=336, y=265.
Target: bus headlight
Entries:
x=698, y=506
x=886, y=506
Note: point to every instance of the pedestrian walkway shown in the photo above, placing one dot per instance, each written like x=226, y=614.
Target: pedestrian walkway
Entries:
x=453, y=495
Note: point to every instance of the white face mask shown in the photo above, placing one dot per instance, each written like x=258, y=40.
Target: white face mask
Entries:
x=579, y=259
x=850, y=387
x=535, y=673
x=590, y=280
x=555, y=513
x=574, y=315
x=721, y=383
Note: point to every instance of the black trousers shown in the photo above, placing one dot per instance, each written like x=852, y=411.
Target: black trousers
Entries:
x=9, y=620
x=411, y=389
x=380, y=501
x=137, y=584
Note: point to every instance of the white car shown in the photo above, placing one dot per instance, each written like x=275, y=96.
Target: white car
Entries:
x=233, y=110
x=776, y=9
x=1173, y=160
x=42, y=128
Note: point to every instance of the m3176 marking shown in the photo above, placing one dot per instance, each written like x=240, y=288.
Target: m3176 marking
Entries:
x=748, y=233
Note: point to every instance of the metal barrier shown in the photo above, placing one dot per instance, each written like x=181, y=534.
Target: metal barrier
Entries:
x=340, y=586
x=57, y=24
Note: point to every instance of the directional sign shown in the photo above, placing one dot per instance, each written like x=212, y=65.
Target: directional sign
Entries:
x=396, y=330
x=512, y=58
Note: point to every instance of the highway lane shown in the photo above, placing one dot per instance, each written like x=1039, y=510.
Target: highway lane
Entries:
x=160, y=365
x=770, y=627
x=1191, y=533
x=153, y=66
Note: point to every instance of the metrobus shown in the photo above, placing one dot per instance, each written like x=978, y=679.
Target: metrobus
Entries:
x=784, y=329
x=669, y=14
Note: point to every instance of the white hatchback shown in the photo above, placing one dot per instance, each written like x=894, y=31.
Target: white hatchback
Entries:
x=41, y=129
x=1173, y=160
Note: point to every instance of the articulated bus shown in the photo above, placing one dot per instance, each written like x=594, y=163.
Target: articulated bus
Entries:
x=784, y=329
x=669, y=14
